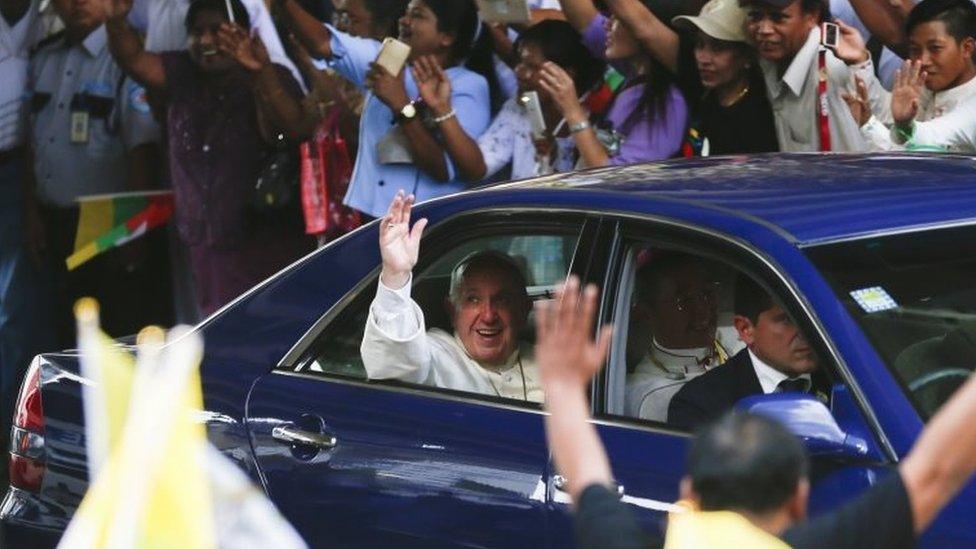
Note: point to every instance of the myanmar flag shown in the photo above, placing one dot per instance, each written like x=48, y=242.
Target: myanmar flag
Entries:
x=111, y=220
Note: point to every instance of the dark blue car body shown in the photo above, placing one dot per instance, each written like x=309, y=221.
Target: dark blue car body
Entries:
x=426, y=469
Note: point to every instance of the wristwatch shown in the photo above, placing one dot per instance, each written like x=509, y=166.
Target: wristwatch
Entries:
x=406, y=114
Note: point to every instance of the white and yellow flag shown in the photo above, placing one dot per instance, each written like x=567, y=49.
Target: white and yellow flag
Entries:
x=156, y=482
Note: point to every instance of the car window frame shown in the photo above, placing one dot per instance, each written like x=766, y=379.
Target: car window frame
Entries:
x=749, y=259
x=440, y=238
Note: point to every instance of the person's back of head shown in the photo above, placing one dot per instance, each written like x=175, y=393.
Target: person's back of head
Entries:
x=749, y=464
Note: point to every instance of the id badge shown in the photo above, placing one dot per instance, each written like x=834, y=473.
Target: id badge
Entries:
x=79, y=127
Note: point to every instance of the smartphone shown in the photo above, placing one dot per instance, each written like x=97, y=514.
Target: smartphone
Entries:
x=530, y=102
x=504, y=11
x=829, y=35
x=393, y=55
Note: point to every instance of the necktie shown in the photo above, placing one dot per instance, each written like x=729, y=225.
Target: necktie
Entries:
x=798, y=385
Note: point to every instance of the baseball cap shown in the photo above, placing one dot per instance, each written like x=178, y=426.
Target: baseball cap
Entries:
x=720, y=19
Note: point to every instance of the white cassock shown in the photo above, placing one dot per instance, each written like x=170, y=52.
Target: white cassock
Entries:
x=396, y=345
x=163, y=23
x=662, y=372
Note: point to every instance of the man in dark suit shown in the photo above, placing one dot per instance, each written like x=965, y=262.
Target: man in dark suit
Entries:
x=777, y=358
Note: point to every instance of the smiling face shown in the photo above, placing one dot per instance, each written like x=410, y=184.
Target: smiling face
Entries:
x=777, y=341
x=719, y=62
x=946, y=61
x=488, y=310
x=778, y=33
x=202, y=42
x=418, y=29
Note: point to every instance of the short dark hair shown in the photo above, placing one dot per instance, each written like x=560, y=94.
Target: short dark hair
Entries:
x=563, y=45
x=386, y=13
x=750, y=299
x=806, y=6
x=745, y=462
x=196, y=6
x=651, y=275
x=959, y=17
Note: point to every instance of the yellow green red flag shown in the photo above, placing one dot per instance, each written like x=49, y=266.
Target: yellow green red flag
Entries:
x=110, y=220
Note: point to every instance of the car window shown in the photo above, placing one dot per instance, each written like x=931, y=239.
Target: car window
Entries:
x=684, y=307
x=677, y=319
x=541, y=253
x=913, y=295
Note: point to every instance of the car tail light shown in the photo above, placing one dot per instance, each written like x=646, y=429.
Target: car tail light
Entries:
x=27, y=434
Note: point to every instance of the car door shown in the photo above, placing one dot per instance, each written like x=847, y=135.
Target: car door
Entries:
x=648, y=456
x=357, y=463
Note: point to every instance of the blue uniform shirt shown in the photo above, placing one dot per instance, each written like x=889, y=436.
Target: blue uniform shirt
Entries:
x=374, y=184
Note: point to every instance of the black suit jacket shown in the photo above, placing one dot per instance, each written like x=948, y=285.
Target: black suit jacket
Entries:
x=713, y=393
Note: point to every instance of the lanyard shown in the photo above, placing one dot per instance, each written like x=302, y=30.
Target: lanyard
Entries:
x=823, y=117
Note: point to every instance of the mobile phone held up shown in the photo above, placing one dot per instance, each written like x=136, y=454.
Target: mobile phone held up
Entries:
x=533, y=108
x=504, y=11
x=829, y=35
x=393, y=55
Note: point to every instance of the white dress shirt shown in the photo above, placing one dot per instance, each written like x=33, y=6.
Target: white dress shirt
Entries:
x=793, y=97
x=932, y=105
x=770, y=377
x=396, y=345
x=15, y=44
x=662, y=372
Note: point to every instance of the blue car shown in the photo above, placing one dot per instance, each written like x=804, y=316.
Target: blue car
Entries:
x=874, y=258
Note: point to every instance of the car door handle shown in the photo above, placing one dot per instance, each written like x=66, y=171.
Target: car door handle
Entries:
x=290, y=434
x=561, y=483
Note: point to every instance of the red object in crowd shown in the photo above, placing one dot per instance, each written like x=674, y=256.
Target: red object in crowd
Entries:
x=325, y=172
x=599, y=100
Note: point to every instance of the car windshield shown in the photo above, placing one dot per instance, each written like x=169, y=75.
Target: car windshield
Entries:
x=915, y=298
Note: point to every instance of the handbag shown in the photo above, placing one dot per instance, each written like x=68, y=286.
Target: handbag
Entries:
x=326, y=168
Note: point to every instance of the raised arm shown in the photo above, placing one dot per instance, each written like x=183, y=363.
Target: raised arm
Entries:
x=658, y=39
x=435, y=89
x=126, y=47
x=885, y=19
x=579, y=13
x=568, y=359
x=274, y=102
x=310, y=31
x=944, y=458
x=558, y=84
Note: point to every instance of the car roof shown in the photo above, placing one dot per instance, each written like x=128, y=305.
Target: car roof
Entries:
x=814, y=198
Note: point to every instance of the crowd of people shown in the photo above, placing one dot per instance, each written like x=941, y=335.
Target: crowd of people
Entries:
x=260, y=116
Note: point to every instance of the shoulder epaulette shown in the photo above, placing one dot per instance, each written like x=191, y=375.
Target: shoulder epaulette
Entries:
x=48, y=41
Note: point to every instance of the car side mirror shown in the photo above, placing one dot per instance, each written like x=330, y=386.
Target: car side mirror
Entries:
x=811, y=421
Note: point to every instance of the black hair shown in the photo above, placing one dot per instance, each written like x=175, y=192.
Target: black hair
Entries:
x=750, y=299
x=472, y=45
x=563, y=45
x=460, y=19
x=959, y=17
x=651, y=275
x=657, y=82
x=196, y=6
x=745, y=462
x=387, y=13
x=806, y=6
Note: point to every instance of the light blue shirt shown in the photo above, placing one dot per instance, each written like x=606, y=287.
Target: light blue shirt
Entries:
x=373, y=184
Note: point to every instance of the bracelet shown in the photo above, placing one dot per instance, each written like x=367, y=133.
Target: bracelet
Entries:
x=445, y=117
x=577, y=127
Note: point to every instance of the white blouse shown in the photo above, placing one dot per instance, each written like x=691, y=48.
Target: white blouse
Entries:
x=509, y=139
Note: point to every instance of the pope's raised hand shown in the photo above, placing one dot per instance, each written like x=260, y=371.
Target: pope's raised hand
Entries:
x=399, y=243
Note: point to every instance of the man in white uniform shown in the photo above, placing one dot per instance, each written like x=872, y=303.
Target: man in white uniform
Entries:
x=679, y=300
x=488, y=307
